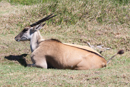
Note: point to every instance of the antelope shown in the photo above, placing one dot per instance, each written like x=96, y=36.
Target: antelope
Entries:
x=54, y=53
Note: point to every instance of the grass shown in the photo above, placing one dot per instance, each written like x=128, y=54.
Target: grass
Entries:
x=94, y=21
x=86, y=16
x=43, y=77
x=27, y=2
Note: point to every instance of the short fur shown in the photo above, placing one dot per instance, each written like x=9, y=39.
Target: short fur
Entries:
x=59, y=55
x=62, y=56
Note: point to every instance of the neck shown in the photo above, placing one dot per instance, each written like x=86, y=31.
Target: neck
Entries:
x=35, y=40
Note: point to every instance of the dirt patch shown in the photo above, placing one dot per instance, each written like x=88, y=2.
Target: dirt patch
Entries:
x=6, y=9
x=3, y=47
x=4, y=4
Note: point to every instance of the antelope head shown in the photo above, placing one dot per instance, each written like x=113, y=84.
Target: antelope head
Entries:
x=27, y=33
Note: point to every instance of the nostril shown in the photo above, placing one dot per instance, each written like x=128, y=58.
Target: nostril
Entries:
x=16, y=39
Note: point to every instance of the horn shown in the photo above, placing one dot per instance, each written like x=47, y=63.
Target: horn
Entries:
x=42, y=20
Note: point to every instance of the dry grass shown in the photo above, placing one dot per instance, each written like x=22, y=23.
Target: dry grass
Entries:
x=114, y=35
x=20, y=76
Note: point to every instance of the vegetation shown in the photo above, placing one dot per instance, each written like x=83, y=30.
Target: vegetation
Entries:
x=30, y=2
x=100, y=22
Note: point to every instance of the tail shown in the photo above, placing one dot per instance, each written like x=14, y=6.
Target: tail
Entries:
x=119, y=52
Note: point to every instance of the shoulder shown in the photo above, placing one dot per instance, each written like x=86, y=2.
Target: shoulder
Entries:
x=54, y=40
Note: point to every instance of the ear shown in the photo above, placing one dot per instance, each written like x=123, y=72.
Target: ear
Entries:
x=38, y=27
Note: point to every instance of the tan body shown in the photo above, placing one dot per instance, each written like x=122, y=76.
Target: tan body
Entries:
x=62, y=56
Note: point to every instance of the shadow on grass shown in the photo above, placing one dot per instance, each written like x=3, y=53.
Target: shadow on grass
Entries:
x=19, y=58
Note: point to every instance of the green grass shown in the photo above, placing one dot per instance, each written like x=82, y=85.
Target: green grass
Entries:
x=121, y=2
x=87, y=10
x=91, y=17
x=15, y=75
x=28, y=2
x=84, y=10
x=104, y=22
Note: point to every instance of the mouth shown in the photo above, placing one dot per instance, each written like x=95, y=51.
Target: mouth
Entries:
x=17, y=40
x=22, y=39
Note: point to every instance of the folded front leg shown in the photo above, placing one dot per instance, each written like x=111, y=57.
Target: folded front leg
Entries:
x=37, y=65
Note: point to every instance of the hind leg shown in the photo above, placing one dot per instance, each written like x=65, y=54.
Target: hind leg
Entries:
x=85, y=65
x=88, y=64
x=82, y=65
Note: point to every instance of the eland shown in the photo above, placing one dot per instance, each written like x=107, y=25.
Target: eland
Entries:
x=53, y=53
